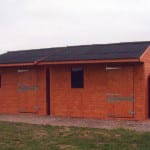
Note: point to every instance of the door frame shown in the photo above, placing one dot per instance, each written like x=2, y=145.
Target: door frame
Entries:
x=47, y=72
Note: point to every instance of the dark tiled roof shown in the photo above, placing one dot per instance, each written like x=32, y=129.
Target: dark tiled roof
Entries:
x=86, y=52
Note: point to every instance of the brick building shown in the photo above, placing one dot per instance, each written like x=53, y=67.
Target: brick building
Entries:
x=92, y=81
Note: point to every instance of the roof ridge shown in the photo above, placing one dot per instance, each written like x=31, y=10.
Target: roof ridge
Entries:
x=71, y=46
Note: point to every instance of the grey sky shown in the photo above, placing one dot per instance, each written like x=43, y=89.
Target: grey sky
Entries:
x=26, y=24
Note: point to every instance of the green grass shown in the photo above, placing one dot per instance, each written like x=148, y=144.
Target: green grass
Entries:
x=19, y=136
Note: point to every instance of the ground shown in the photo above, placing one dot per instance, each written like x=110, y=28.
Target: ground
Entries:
x=77, y=122
x=20, y=136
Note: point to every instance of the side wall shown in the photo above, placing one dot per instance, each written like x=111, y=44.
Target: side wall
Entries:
x=146, y=69
x=10, y=101
x=140, y=105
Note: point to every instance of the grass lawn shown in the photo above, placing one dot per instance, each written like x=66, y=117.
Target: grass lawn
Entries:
x=19, y=136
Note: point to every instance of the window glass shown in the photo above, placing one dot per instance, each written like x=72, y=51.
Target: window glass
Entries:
x=77, y=76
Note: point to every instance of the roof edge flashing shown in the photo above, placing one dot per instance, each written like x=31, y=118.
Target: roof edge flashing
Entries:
x=39, y=63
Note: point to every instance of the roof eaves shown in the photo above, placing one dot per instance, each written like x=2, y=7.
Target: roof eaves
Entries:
x=71, y=62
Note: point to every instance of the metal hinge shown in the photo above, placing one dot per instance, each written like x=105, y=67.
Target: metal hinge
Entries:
x=131, y=112
x=112, y=67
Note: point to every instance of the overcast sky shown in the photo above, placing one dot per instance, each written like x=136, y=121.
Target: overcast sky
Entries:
x=26, y=24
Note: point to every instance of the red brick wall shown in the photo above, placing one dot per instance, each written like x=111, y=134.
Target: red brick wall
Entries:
x=146, y=78
x=66, y=101
x=146, y=70
x=8, y=94
x=143, y=90
x=10, y=100
x=91, y=101
x=87, y=102
x=139, y=93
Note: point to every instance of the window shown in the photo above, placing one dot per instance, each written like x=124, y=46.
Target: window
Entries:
x=77, y=77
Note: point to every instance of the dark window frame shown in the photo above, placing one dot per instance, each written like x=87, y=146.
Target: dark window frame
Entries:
x=77, y=77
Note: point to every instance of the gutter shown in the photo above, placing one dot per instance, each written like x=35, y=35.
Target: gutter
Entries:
x=40, y=62
x=90, y=61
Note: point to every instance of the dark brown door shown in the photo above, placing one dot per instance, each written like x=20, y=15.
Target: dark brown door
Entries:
x=27, y=88
x=120, y=91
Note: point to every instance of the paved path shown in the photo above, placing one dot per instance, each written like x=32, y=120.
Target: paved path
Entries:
x=91, y=123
